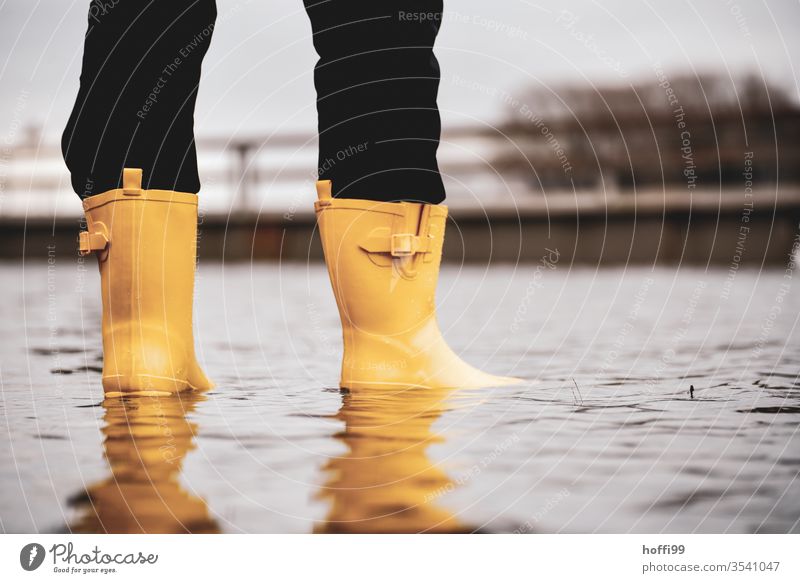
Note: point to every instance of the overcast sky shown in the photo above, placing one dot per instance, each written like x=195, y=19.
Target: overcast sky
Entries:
x=258, y=74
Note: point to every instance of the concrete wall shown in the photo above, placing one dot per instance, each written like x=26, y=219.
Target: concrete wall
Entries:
x=706, y=229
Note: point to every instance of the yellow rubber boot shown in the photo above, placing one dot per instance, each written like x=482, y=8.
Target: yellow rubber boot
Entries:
x=145, y=241
x=383, y=260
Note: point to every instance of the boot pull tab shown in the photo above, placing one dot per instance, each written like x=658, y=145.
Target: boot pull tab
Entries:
x=132, y=181
x=410, y=266
x=324, y=190
x=94, y=240
x=425, y=230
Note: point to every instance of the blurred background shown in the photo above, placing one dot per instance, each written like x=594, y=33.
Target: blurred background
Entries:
x=624, y=178
x=653, y=126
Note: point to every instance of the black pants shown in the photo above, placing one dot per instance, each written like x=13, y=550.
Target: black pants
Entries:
x=376, y=80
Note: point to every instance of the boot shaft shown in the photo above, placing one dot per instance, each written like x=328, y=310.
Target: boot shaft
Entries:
x=383, y=260
x=147, y=264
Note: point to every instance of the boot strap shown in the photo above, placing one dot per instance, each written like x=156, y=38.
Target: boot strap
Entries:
x=397, y=244
x=95, y=241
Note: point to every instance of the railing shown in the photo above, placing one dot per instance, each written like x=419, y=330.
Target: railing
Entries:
x=246, y=174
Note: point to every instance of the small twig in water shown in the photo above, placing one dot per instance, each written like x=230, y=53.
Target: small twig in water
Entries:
x=579, y=391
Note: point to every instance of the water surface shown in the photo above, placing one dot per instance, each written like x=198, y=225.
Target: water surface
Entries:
x=603, y=437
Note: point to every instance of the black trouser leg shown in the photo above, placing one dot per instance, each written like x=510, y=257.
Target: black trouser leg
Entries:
x=377, y=80
x=138, y=86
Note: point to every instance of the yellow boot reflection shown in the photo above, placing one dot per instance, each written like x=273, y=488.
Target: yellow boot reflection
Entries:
x=386, y=482
x=146, y=440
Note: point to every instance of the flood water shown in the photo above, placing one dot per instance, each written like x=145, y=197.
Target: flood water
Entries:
x=603, y=436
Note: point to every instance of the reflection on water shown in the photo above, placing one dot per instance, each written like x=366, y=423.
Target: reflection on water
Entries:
x=145, y=442
x=608, y=439
x=386, y=482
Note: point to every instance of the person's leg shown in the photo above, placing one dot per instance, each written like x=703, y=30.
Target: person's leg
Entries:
x=379, y=127
x=129, y=146
x=377, y=80
x=138, y=86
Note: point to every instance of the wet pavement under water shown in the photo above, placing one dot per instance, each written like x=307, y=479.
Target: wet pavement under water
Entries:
x=603, y=436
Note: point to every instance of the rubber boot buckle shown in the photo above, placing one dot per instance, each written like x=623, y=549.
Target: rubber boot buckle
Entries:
x=93, y=242
x=403, y=245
